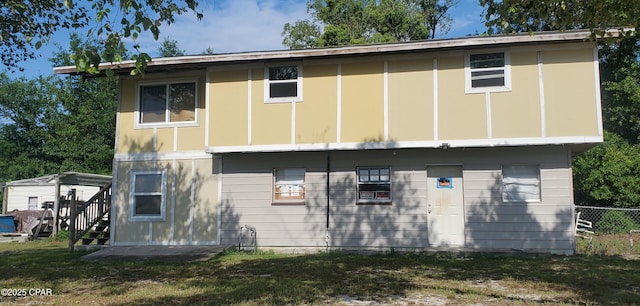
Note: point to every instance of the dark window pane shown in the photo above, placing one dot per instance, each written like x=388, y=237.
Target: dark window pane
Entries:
x=283, y=73
x=148, y=205
x=489, y=60
x=153, y=101
x=182, y=102
x=279, y=90
x=374, y=192
x=487, y=82
x=146, y=183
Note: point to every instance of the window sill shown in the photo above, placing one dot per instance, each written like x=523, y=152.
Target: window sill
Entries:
x=283, y=100
x=521, y=201
x=480, y=90
x=165, y=125
x=373, y=202
x=148, y=219
x=289, y=203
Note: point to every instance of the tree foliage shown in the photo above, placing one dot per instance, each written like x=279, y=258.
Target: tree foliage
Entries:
x=170, y=48
x=511, y=16
x=26, y=25
x=52, y=124
x=349, y=22
x=609, y=174
x=620, y=74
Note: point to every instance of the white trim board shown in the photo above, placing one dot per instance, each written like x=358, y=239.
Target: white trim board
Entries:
x=495, y=142
x=154, y=156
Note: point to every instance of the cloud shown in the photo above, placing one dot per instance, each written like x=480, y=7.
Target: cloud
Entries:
x=467, y=19
x=231, y=26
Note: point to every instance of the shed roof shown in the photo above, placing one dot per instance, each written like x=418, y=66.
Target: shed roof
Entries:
x=203, y=61
x=66, y=178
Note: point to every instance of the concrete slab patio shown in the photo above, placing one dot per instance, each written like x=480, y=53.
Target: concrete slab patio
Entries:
x=158, y=252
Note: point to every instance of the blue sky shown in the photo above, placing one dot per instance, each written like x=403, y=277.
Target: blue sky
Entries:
x=240, y=25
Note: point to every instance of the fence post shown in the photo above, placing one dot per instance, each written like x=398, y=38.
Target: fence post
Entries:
x=72, y=219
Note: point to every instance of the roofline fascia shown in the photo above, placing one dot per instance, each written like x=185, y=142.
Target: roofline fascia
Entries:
x=425, y=45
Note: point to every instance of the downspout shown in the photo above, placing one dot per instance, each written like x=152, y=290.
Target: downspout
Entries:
x=327, y=237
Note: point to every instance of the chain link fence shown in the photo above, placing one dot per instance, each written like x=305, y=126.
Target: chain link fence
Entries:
x=616, y=231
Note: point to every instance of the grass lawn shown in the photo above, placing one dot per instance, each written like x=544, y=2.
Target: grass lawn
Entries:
x=267, y=278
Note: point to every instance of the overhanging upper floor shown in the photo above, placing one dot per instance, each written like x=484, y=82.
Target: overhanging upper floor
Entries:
x=469, y=92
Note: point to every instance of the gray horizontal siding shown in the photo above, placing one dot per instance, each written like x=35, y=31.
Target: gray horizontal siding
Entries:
x=488, y=223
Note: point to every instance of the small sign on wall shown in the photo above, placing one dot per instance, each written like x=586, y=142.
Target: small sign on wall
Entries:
x=444, y=182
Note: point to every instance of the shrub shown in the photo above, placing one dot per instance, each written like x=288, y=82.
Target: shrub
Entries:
x=615, y=222
x=61, y=235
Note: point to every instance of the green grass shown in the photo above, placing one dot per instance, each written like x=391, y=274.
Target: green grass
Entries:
x=270, y=278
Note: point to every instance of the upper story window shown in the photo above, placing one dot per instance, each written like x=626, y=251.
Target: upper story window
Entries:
x=167, y=103
x=487, y=72
x=283, y=84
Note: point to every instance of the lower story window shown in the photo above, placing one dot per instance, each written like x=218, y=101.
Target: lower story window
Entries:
x=521, y=183
x=374, y=185
x=288, y=185
x=148, y=195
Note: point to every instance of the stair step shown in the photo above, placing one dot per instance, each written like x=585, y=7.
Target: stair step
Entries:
x=87, y=241
x=103, y=241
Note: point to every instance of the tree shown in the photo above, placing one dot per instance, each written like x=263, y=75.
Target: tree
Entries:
x=25, y=26
x=208, y=50
x=512, y=16
x=169, y=48
x=349, y=22
x=609, y=174
x=27, y=109
x=54, y=124
x=620, y=74
x=435, y=14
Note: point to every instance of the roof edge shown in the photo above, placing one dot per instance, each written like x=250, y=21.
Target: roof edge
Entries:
x=469, y=41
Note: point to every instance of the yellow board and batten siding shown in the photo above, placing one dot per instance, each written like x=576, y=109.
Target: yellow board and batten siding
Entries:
x=271, y=122
x=410, y=99
x=516, y=113
x=191, y=209
x=569, y=80
x=354, y=93
x=159, y=138
x=460, y=115
x=362, y=102
x=316, y=117
x=228, y=108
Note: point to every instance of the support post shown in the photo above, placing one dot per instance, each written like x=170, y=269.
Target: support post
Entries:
x=72, y=219
x=56, y=207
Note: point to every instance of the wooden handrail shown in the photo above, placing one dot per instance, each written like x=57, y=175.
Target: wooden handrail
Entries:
x=88, y=214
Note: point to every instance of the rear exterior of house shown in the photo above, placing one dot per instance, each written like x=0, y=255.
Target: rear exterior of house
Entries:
x=445, y=143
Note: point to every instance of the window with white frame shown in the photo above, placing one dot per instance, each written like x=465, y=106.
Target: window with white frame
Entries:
x=487, y=72
x=288, y=185
x=167, y=103
x=148, y=195
x=521, y=183
x=283, y=84
x=374, y=185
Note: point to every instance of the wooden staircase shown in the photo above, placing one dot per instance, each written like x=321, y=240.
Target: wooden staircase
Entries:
x=90, y=220
x=99, y=233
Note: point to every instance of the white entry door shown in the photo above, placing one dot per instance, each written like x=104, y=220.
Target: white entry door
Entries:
x=445, y=206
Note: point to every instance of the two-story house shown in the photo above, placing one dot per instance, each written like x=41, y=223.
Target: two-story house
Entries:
x=457, y=142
